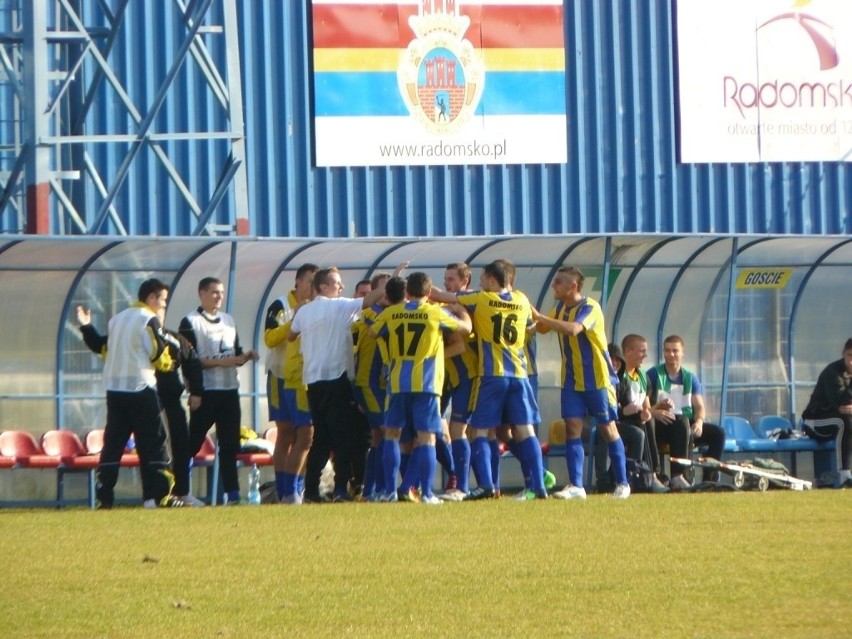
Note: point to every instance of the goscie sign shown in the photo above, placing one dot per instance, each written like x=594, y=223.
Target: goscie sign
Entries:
x=764, y=278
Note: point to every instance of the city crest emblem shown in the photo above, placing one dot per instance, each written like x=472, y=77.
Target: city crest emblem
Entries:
x=440, y=74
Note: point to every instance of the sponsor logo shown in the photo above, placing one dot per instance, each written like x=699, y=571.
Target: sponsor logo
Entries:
x=440, y=74
x=820, y=33
x=779, y=93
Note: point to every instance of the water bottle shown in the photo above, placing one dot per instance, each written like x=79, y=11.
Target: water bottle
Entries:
x=254, y=486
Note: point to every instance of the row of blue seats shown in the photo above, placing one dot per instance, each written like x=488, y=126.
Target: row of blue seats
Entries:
x=742, y=437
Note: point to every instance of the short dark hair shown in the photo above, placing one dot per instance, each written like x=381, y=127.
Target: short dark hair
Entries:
x=499, y=271
x=848, y=346
x=630, y=340
x=206, y=282
x=305, y=269
x=419, y=284
x=511, y=271
x=321, y=277
x=674, y=339
x=149, y=287
x=575, y=274
x=395, y=289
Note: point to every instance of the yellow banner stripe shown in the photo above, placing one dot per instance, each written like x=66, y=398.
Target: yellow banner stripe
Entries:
x=327, y=60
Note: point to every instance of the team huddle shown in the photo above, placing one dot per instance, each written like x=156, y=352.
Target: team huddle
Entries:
x=420, y=354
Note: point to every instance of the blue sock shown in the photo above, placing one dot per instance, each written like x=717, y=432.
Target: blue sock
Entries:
x=515, y=449
x=299, y=484
x=280, y=484
x=618, y=461
x=480, y=458
x=495, y=462
x=575, y=456
x=404, y=460
x=461, y=460
x=369, y=473
x=530, y=451
x=233, y=496
x=390, y=463
x=289, y=483
x=474, y=468
x=378, y=470
x=428, y=465
x=411, y=476
x=444, y=456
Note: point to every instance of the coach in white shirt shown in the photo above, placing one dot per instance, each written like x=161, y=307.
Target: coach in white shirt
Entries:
x=324, y=325
x=213, y=334
x=135, y=348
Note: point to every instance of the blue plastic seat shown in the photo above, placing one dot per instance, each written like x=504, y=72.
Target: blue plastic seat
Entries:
x=744, y=436
x=801, y=444
x=771, y=424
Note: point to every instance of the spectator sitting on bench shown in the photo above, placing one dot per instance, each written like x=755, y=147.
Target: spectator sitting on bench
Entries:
x=678, y=411
x=832, y=398
x=634, y=405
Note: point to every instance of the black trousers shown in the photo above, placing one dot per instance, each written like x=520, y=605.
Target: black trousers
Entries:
x=678, y=435
x=634, y=447
x=712, y=436
x=220, y=407
x=138, y=414
x=178, y=429
x=652, y=452
x=841, y=434
x=335, y=417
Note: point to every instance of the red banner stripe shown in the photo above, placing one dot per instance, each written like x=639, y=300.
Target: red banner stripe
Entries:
x=386, y=26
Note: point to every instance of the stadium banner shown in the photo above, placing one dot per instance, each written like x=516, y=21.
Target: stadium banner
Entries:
x=764, y=80
x=437, y=82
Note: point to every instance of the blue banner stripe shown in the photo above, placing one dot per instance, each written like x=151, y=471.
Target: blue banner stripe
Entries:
x=377, y=94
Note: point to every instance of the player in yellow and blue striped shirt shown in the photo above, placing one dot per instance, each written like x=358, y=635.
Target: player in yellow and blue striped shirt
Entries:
x=414, y=334
x=502, y=392
x=587, y=374
x=460, y=370
x=504, y=433
x=370, y=388
x=286, y=392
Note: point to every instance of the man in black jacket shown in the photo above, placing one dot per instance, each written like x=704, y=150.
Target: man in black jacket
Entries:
x=828, y=414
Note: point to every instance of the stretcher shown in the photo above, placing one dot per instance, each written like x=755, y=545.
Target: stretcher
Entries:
x=748, y=476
